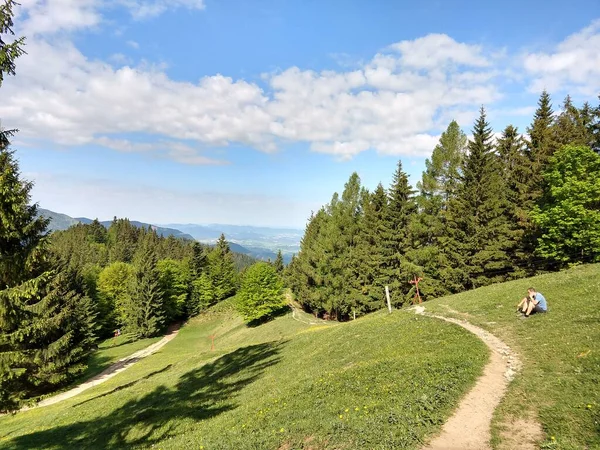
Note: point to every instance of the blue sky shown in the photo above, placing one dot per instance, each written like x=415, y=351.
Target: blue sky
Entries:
x=190, y=111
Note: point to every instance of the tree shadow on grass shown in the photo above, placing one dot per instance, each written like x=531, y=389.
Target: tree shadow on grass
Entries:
x=199, y=394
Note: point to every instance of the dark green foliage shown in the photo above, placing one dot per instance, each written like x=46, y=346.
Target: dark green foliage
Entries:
x=46, y=328
x=145, y=313
x=8, y=52
x=222, y=270
x=570, y=126
x=398, y=271
x=478, y=234
x=278, y=264
x=569, y=213
x=122, y=239
x=261, y=293
x=199, y=261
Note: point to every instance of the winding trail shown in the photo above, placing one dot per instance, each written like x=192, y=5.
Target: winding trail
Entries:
x=115, y=369
x=469, y=427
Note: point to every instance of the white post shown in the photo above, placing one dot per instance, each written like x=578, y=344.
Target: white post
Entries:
x=387, y=296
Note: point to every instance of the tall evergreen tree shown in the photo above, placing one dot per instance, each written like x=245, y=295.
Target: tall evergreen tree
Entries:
x=46, y=329
x=515, y=168
x=199, y=261
x=401, y=208
x=438, y=186
x=570, y=126
x=145, y=314
x=278, y=264
x=222, y=270
x=478, y=231
x=541, y=145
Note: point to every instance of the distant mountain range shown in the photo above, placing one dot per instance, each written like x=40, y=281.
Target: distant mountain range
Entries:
x=259, y=242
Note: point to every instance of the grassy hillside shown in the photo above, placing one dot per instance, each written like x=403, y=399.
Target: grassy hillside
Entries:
x=560, y=384
x=384, y=381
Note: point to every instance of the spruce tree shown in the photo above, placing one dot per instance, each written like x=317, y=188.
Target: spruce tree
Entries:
x=515, y=168
x=46, y=329
x=570, y=126
x=222, y=270
x=199, y=261
x=278, y=264
x=400, y=210
x=145, y=314
x=541, y=145
x=477, y=229
x=438, y=186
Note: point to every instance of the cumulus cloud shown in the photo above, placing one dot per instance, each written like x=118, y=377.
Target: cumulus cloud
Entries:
x=44, y=17
x=386, y=105
x=573, y=65
x=396, y=103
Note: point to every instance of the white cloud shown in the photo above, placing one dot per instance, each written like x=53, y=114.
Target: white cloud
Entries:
x=133, y=44
x=573, y=65
x=385, y=105
x=435, y=50
x=44, y=17
x=143, y=9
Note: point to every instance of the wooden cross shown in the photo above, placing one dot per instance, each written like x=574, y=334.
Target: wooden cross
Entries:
x=415, y=281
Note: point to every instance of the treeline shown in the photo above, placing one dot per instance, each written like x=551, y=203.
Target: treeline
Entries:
x=138, y=281
x=486, y=210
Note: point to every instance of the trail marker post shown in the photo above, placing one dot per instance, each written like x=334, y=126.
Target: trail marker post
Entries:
x=415, y=281
x=212, y=342
x=387, y=296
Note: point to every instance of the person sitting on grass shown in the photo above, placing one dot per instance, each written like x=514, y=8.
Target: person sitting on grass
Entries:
x=535, y=302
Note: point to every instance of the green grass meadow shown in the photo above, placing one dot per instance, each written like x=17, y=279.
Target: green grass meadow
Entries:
x=383, y=381
x=560, y=350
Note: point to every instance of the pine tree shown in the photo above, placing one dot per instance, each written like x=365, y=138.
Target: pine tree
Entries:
x=222, y=270
x=278, y=264
x=570, y=126
x=199, y=261
x=515, y=168
x=438, y=186
x=123, y=240
x=46, y=329
x=8, y=52
x=478, y=231
x=401, y=208
x=145, y=314
x=541, y=145
x=368, y=255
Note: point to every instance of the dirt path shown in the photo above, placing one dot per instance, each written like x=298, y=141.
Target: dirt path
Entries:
x=115, y=369
x=469, y=426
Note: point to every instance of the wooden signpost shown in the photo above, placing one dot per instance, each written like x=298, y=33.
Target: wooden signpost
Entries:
x=212, y=342
x=415, y=281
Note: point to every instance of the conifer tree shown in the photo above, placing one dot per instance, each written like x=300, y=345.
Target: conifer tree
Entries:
x=145, y=314
x=438, y=186
x=478, y=231
x=570, y=126
x=278, y=264
x=46, y=330
x=541, y=145
x=515, y=168
x=401, y=207
x=222, y=270
x=199, y=261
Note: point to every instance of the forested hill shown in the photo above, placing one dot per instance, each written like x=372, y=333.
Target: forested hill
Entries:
x=60, y=222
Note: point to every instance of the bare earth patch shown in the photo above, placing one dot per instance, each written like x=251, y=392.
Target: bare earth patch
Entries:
x=521, y=434
x=469, y=426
